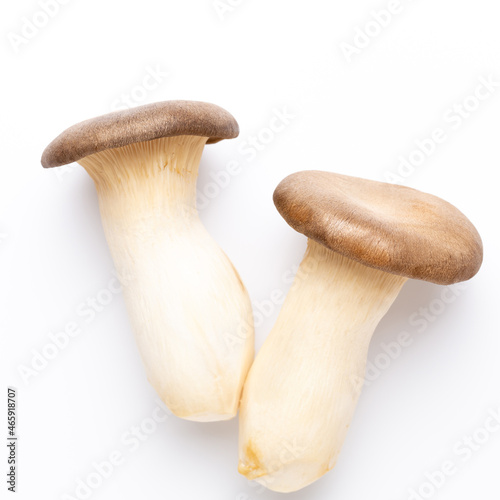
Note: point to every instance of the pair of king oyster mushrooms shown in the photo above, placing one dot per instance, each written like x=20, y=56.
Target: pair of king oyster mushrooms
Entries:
x=191, y=313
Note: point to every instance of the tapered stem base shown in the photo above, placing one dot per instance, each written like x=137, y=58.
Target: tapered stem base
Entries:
x=189, y=310
x=302, y=389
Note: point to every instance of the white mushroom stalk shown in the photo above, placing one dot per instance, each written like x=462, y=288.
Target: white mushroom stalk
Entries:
x=302, y=389
x=183, y=295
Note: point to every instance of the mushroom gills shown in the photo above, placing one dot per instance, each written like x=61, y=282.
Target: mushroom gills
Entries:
x=186, y=302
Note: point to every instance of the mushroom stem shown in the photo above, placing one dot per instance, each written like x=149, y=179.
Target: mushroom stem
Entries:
x=147, y=199
x=301, y=392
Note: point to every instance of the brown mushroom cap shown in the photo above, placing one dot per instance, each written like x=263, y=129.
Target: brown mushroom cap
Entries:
x=144, y=123
x=389, y=227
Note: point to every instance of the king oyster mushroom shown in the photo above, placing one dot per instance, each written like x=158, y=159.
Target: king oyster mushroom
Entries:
x=366, y=239
x=183, y=295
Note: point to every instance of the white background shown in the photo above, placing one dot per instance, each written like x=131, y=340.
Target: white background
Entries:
x=355, y=117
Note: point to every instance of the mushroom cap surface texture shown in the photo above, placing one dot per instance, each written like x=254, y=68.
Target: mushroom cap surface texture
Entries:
x=144, y=123
x=385, y=226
